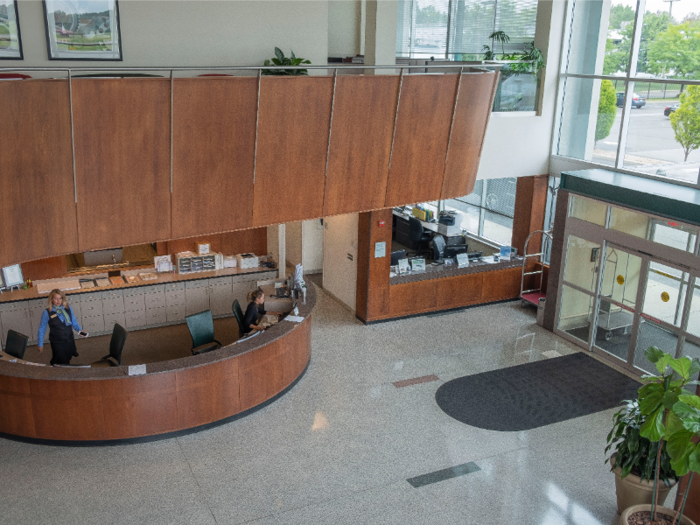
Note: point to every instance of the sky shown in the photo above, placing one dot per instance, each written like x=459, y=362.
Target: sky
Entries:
x=680, y=7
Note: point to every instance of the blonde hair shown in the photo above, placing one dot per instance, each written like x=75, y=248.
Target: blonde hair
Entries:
x=55, y=292
x=255, y=294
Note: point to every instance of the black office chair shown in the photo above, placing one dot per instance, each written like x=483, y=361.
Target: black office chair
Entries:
x=201, y=328
x=16, y=344
x=116, y=346
x=418, y=236
x=238, y=313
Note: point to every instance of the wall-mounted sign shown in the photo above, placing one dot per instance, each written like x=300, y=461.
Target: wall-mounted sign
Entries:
x=379, y=250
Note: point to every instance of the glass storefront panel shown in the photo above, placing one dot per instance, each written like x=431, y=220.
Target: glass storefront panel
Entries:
x=674, y=235
x=614, y=329
x=590, y=121
x=664, y=296
x=582, y=263
x=694, y=317
x=576, y=313
x=629, y=222
x=498, y=228
x=621, y=272
x=588, y=210
x=652, y=334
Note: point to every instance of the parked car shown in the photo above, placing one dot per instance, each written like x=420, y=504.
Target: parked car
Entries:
x=637, y=101
x=671, y=109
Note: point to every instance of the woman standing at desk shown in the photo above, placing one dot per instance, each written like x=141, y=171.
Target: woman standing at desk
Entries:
x=61, y=322
x=254, y=311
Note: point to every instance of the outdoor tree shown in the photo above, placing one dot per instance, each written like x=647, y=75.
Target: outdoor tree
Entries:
x=619, y=14
x=676, y=51
x=685, y=121
x=606, y=110
x=617, y=55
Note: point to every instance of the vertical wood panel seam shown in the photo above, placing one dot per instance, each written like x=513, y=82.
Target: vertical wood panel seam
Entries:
x=257, y=124
x=72, y=135
x=328, y=149
x=172, y=147
x=452, y=125
x=393, y=137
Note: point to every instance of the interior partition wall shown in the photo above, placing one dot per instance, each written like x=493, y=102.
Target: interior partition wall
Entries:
x=628, y=280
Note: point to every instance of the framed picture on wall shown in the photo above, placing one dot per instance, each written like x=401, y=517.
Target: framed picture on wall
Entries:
x=10, y=41
x=82, y=29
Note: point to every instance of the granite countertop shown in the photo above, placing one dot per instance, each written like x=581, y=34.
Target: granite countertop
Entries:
x=270, y=335
x=441, y=271
x=163, y=278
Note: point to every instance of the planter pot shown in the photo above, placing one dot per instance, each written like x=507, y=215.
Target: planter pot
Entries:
x=633, y=491
x=663, y=510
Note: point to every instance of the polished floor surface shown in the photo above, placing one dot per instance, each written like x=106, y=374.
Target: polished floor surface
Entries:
x=341, y=445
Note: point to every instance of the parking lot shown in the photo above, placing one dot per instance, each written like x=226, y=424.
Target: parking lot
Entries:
x=651, y=145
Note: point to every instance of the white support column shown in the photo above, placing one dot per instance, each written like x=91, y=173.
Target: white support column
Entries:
x=380, y=35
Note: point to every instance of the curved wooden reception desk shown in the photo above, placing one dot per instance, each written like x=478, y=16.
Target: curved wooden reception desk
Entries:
x=94, y=406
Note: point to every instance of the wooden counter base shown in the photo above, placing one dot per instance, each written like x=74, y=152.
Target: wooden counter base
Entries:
x=62, y=406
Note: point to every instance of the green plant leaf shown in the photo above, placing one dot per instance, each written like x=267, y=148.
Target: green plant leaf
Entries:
x=293, y=57
x=279, y=54
x=690, y=400
x=670, y=398
x=694, y=367
x=276, y=62
x=673, y=424
x=653, y=354
x=677, y=444
x=681, y=366
x=653, y=427
x=694, y=460
x=650, y=400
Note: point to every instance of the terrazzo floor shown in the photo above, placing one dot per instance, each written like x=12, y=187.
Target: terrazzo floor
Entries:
x=341, y=445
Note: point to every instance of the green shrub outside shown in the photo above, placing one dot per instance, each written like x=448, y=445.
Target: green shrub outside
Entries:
x=607, y=109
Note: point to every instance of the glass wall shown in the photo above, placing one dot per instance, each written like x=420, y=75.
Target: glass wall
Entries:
x=488, y=211
x=630, y=87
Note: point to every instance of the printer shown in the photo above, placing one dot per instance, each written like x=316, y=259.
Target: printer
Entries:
x=449, y=223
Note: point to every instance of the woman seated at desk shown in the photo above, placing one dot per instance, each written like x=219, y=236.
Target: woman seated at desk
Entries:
x=254, y=312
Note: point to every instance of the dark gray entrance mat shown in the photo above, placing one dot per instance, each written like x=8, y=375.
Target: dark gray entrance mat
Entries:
x=535, y=394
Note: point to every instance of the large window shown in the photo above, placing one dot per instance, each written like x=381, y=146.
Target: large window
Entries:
x=487, y=212
x=459, y=29
x=630, y=87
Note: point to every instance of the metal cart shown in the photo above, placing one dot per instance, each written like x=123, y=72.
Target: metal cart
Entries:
x=533, y=296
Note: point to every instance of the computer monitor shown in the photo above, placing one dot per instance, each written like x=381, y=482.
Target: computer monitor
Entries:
x=396, y=256
x=438, y=247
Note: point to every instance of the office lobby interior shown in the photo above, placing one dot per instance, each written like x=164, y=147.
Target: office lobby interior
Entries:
x=421, y=391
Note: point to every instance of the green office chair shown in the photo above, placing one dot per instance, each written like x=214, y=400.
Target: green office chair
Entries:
x=238, y=313
x=116, y=346
x=201, y=327
x=16, y=344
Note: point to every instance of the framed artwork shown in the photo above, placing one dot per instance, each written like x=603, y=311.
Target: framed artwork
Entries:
x=82, y=29
x=10, y=41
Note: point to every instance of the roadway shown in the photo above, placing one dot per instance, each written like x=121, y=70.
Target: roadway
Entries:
x=651, y=145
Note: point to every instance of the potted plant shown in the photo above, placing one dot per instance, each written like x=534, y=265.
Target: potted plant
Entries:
x=657, y=400
x=281, y=60
x=633, y=460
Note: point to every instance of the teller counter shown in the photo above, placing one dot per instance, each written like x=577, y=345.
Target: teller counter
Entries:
x=93, y=406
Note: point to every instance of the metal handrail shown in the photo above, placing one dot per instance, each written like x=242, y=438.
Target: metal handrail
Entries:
x=479, y=66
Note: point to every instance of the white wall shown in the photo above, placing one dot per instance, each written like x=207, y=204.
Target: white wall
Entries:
x=196, y=33
x=294, y=243
x=519, y=144
x=312, y=247
x=339, y=272
x=344, y=27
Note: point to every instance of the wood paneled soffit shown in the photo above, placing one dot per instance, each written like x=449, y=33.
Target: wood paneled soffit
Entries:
x=246, y=152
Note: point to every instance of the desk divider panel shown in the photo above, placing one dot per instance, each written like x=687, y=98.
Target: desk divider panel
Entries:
x=213, y=154
x=472, y=114
x=122, y=160
x=363, y=125
x=16, y=407
x=423, y=126
x=37, y=204
x=293, y=125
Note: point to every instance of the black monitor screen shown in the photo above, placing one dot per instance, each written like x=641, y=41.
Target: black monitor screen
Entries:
x=396, y=256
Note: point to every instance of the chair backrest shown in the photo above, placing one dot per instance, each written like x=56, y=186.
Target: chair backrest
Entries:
x=201, y=327
x=116, y=343
x=438, y=247
x=415, y=229
x=236, y=307
x=16, y=344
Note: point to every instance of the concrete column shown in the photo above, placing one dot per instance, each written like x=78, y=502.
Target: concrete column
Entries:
x=380, y=34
